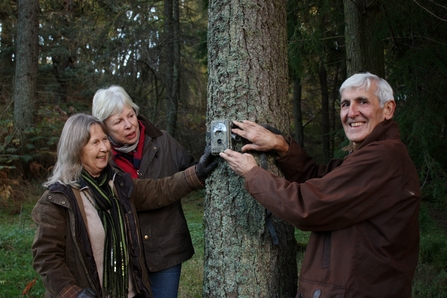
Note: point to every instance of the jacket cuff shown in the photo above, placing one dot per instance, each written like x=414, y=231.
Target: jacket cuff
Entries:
x=69, y=291
x=192, y=179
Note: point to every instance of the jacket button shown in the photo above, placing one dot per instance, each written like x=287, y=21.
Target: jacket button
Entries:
x=63, y=202
x=146, y=237
x=50, y=197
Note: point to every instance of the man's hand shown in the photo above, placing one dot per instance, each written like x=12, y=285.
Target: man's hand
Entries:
x=238, y=162
x=262, y=139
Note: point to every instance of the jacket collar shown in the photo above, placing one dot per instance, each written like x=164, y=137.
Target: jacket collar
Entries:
x=150, y=129
x=385, y=130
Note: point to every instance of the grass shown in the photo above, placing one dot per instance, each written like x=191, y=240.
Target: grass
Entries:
x=17, y=232
x=16, y=237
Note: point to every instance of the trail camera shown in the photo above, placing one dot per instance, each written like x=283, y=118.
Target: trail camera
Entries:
x=220, y=136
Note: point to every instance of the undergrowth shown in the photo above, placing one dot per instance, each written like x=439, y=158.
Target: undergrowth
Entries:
x=17, y=232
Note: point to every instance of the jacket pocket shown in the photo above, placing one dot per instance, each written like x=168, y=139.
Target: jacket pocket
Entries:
x=311, y=289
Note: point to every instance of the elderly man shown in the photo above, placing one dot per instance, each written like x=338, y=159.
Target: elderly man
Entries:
x=362, y=211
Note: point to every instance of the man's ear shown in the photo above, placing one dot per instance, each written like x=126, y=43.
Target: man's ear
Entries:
x=388, y=109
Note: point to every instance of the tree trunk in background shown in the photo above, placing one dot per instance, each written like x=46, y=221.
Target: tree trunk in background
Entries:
x=364, y=50
x=6, y=55
x=172, y=54
x=325, y=122
x=26, y=63
x=297, y=113
x=172, y=120
x=247, y=64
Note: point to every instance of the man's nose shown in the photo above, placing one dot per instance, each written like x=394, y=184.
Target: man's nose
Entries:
x=353, y=110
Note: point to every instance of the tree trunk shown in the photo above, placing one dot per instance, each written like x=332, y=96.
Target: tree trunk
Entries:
x=247, y=64
x=7, y=50
x=26, y=63
x=297, y=113
x=325, y=122
x=364, y=50
x=172, y=54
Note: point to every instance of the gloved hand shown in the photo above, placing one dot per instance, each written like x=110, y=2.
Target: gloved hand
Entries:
x=206, y=164
x=87, y=293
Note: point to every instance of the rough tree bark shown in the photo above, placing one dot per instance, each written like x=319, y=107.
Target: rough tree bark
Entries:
x=364, y=50
x=26, y=63
x=172, y=54
x=247, y=54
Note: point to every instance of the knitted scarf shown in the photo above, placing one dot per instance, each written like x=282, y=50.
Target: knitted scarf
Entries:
x=129, y=162
x=116, y=256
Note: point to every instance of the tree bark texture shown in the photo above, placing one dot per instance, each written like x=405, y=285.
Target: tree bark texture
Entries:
x=26, y=63
x=325, y=121
x=171, y=50
x=364, y=49
x=297, y=113
x=247, y=64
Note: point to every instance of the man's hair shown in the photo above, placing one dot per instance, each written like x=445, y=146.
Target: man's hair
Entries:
x=364, y=80
x=110, y=101
x=74, y=136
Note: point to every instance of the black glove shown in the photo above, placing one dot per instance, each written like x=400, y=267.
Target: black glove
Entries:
x=206, y=164
x=87, y=293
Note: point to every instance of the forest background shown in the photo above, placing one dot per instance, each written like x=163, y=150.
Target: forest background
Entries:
x=55, y=54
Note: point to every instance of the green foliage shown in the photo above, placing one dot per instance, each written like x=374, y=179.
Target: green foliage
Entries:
x=431, y=276
x=35, y=144
x=417, y=62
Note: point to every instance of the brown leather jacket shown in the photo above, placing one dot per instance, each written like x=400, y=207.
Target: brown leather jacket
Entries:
x=363, y=214
x=61, y=248
x=166, y=238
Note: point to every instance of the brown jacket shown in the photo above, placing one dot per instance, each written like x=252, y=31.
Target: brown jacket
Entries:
x=61, y=248
x=363, y=212
x=166, y=238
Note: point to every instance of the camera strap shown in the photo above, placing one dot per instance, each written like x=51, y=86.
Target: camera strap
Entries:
x=268, y=213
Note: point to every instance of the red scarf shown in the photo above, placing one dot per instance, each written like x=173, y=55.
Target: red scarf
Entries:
x=130, y=162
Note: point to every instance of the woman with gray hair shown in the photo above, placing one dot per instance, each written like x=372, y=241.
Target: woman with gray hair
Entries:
x=87, y=242
x=144, y=151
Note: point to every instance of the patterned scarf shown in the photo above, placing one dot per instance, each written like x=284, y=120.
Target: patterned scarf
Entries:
x=116, y=256
x=129, y=162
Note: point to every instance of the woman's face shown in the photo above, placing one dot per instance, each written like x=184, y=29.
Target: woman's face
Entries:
x=123, y=127
x=95, y=154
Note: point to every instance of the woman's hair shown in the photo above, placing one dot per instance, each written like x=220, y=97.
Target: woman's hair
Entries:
x=74, y=136
x=110, y=101
x=364, y=80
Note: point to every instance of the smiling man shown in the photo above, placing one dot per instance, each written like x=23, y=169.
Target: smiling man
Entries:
x=362, y=211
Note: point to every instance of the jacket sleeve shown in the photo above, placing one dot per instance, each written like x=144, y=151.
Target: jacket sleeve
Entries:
x=48, y=249
x=368, y=182
x=298, y=166
x=156, y=193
